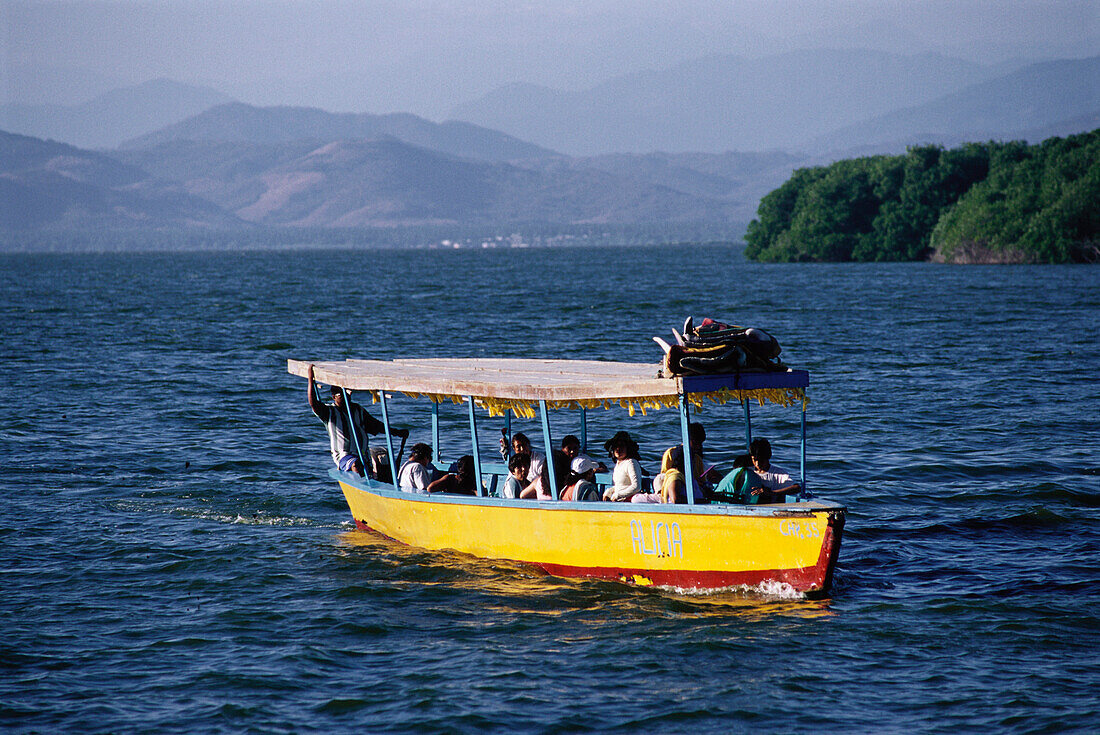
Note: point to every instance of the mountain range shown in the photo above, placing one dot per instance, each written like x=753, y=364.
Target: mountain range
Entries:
x=44, y=184
x=815, y=102
x=388, y=182
x=380, y=182
x=238, y=122
x=110, y=118
x=229, y=164
x=1033, y=103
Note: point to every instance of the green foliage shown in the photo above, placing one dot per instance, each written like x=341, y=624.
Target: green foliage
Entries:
x=1039, y=204
x=991, y=202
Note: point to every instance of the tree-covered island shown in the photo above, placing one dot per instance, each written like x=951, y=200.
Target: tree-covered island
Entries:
x=979, y=203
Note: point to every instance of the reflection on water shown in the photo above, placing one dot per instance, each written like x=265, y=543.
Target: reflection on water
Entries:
x=517, y=587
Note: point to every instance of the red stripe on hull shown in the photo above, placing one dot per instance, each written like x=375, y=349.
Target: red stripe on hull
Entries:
x=815, y=581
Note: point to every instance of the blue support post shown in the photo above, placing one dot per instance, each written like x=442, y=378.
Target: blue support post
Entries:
x=748, y=425
x=389, y=438
x=477, y=451
x=435, y=433
x=354, y=433
x=803, y=492
x=584, y=431
x=685, y=437
x=549, y=449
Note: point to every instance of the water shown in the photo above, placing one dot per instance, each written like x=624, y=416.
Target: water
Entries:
x=175, y=559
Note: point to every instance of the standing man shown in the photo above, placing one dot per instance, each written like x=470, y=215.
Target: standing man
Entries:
x=335, y=417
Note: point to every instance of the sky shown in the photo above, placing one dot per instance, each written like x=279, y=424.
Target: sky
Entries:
x=428, y=56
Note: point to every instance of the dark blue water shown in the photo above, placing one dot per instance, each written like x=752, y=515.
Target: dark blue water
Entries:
x=173, y=557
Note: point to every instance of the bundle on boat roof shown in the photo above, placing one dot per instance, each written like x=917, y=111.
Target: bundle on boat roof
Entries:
x=517, y=385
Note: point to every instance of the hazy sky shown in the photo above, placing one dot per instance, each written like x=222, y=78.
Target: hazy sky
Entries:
x=425, y=57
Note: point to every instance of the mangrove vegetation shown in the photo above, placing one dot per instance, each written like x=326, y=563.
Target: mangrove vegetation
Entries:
x=979, y=203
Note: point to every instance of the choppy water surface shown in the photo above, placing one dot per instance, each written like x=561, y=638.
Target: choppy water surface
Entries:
x=175, y=559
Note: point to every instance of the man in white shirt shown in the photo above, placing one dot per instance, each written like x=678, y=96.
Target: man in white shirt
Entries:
x=414, y=475
x=776, y=479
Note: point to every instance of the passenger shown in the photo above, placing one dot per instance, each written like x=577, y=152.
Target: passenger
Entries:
x=627, y=476
x=562, y=468
x=777, y=480
x=673, y=488
x=538, y=480
x=335, y=417
x=571, y=445
x=741, y=484
x=414, y=475
x=458, y=480
x=666, y=478
x=518, y=466
x=704, y=475
x=581, y=482
x=672, y=465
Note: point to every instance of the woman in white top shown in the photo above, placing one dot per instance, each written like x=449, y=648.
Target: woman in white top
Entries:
x=627, y=476
x=414, y=475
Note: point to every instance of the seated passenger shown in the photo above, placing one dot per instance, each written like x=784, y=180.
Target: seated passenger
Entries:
x=777, y=480
x=459, y=478
x=673, y=488
x=581, y=481
x=414, y=475
x=538, y=480
x=571, y=446
x=705, y=476
x=669, y=480
x=741, y=484
x=562, y=468
x=627, y=475
x=518, y=467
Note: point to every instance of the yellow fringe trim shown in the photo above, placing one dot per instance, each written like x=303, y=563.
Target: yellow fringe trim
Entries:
x=529, y=409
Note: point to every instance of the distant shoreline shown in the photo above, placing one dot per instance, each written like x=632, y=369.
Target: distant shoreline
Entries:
x=458, y=237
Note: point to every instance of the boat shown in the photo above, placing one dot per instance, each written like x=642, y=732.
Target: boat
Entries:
x=692, y=546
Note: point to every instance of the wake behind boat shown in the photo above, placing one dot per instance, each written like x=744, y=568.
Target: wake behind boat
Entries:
x=688, y=546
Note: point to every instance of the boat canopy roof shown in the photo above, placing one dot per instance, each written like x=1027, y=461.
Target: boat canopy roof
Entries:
x=517, y=385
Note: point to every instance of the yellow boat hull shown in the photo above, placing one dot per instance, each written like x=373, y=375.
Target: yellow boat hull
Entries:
x=700, y=547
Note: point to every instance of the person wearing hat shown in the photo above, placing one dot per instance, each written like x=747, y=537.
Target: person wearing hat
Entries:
x=342, y=443
x=581, y=484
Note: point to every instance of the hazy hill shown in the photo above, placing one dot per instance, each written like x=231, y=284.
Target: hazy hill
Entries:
x=110, y=118
x=237, y=122
x=46, y=184
x=219, y=171
x=722, y=103
x=739, y=179
x=388, y=182
x=1033, y=103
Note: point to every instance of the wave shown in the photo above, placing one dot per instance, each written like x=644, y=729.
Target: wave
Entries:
x=1041, y=519
x=231, y=517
